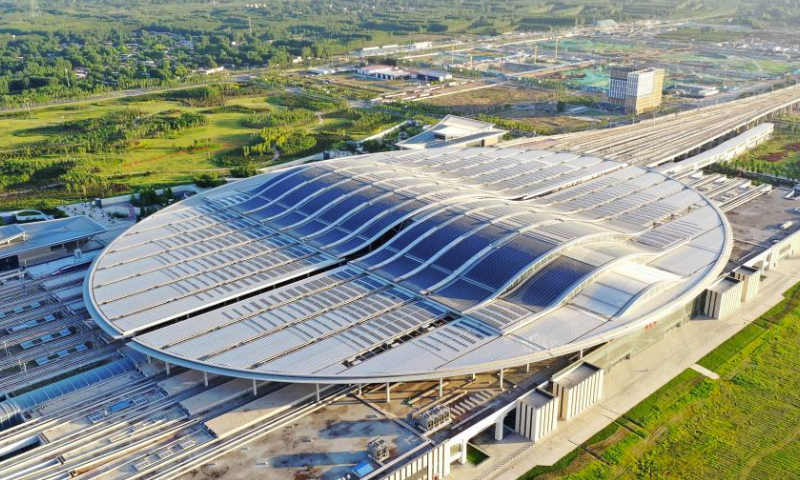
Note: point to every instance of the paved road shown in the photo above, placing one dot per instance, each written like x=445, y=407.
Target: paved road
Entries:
x=133, y=92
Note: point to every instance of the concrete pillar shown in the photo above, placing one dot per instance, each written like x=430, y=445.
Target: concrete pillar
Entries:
x=318, y=393
x=359, y=389
x=167, y=367
x=463, y=457
x=255, y=388
x=502, y=387
x=441, y=387
x=498, y=429
x=388, y=393
x=205, y=378
x=528, y=367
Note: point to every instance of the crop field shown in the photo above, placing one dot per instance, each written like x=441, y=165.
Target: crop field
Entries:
x=746, y=425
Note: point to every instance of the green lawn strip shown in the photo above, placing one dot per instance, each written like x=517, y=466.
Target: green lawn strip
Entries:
x=475, y=456
x=731, y=347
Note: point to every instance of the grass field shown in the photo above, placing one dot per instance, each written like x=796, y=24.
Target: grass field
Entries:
x=778, y=156
x=746, y=425
x=166, y=158
x=705, y=35
x=769, y=66
x=475, y=456
x=162, y=161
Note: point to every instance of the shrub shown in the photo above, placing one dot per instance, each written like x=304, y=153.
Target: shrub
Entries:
x=208, y=180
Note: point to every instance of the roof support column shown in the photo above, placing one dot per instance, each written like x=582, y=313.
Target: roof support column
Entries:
x=388, y=393
x=167, y=367
x=205, y=378
x=502, y=371
x=473, y=377
x=498, y=429
x=255, y=388
x=441, y=387
x=359, y=389
x=528, y=367
x=317, y=393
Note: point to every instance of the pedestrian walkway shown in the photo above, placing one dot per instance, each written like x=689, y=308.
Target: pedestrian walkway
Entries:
x=704, y=371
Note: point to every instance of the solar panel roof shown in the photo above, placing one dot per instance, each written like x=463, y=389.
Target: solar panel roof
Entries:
x=408, y=265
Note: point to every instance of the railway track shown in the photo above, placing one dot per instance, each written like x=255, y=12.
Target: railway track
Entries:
x=96, y=433
x=661, y=139
x=15, y=381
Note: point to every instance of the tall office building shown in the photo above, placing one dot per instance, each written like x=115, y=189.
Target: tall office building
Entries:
x=639, y=90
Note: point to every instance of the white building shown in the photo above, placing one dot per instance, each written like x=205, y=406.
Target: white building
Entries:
x=210, y=70
x=454, y=131
x=385, y=72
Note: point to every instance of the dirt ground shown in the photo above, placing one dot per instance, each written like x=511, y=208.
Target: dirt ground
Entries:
x=324, y=445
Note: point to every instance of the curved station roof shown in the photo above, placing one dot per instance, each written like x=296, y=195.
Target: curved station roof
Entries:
x=408, y=265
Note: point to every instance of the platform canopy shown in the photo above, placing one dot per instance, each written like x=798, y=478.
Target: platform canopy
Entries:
x=408, y=265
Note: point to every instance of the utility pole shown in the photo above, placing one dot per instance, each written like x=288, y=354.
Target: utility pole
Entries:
x=555, y=57
x=34, y=9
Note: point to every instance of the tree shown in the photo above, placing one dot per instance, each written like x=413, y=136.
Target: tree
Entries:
x=244, y=171
x=208, y=180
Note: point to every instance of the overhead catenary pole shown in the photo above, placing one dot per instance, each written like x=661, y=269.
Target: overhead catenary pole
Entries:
x=555, y=57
